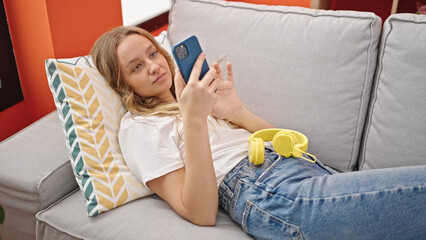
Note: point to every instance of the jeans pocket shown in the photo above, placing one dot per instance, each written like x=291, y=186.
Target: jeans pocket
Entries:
x=263, y=225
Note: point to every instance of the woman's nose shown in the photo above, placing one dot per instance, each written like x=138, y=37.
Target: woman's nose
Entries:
x=153, y=67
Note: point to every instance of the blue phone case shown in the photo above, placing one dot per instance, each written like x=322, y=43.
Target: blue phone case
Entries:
x=185, y=54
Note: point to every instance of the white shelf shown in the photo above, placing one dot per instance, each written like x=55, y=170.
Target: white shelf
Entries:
x=136, y=12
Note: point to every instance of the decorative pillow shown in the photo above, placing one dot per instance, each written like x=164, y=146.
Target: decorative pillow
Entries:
x=90, y=112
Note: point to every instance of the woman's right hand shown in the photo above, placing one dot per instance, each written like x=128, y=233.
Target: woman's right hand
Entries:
x=197, y=98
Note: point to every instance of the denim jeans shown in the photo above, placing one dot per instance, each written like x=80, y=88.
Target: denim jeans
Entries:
x=290, y=198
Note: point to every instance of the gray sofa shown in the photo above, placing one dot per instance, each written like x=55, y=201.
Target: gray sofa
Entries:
x=355, y=87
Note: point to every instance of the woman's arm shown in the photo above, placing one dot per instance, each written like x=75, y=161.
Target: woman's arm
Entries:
x=192, y=192
x=229, y=106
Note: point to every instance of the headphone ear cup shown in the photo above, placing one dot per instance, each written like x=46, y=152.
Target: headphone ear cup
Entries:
x=283, y=144
x=256, y=151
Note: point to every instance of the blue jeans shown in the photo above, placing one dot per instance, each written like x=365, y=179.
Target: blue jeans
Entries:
x=289, y=198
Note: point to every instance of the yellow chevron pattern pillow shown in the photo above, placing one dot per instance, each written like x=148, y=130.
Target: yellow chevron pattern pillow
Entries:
x=90, y=112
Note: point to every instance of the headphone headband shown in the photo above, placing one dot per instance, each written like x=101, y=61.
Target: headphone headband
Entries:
x=269, y=133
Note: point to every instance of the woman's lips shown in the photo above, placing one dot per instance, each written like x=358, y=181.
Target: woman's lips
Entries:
x=160, y=77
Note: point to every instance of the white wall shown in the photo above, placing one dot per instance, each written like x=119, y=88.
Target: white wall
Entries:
x=138, y=11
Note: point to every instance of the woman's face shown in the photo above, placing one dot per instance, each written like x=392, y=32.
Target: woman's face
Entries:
x=144, y=68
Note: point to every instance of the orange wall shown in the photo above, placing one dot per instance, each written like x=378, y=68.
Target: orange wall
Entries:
x=42, y=29
x=76, y=24
x=30, y=33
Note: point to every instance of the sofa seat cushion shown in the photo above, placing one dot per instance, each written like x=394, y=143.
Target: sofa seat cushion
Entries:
x=395, y=130
x=145, y=218
x=302, y=69
x=35, y=172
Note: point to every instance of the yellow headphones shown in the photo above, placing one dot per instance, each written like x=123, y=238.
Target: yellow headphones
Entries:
x=285, y=142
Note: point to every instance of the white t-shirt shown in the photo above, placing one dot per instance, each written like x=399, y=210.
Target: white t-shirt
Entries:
x=153, y=146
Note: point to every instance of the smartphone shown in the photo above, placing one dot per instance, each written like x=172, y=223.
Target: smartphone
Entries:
x=185, y=54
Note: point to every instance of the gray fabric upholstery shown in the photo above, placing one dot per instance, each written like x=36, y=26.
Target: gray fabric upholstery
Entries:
x=35, y=172
x=45, y=231
x=145, y=218
x=396, y=129
x=303, y=69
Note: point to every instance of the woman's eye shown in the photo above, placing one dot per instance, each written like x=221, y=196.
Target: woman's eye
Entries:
x=137, y=67
x=154, y=54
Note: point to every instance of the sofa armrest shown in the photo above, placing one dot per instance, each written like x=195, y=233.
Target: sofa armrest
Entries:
x=35, y=172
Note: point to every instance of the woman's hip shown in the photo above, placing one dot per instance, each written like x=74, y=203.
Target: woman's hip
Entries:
x=278, y=177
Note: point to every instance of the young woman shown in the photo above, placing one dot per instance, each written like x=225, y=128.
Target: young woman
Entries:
x=188, y=144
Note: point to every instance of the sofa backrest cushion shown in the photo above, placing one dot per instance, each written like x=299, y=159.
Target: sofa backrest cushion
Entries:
x=298, y=68
x=396, y=127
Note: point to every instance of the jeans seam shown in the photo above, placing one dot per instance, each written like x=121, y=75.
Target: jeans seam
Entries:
x=227, y=190
x=271, y=194
x=233, y=203
x=323, y=167
x=250, y=205
x=247, y=209
x=360, y=194
x=268, y=170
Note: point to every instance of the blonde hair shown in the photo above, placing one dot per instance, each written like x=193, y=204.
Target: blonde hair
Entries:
x=104, y=56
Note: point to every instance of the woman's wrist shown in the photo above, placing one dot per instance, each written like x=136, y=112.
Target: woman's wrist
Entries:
x=193, y=121
x=236, y=117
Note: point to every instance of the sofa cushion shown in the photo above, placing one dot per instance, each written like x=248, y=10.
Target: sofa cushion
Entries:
x=396, y=127
x=35, y=172
x=90, y=113
x=145, y=218
x=313, y=69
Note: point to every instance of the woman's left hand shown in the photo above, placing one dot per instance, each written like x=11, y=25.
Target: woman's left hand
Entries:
x=227, y=103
